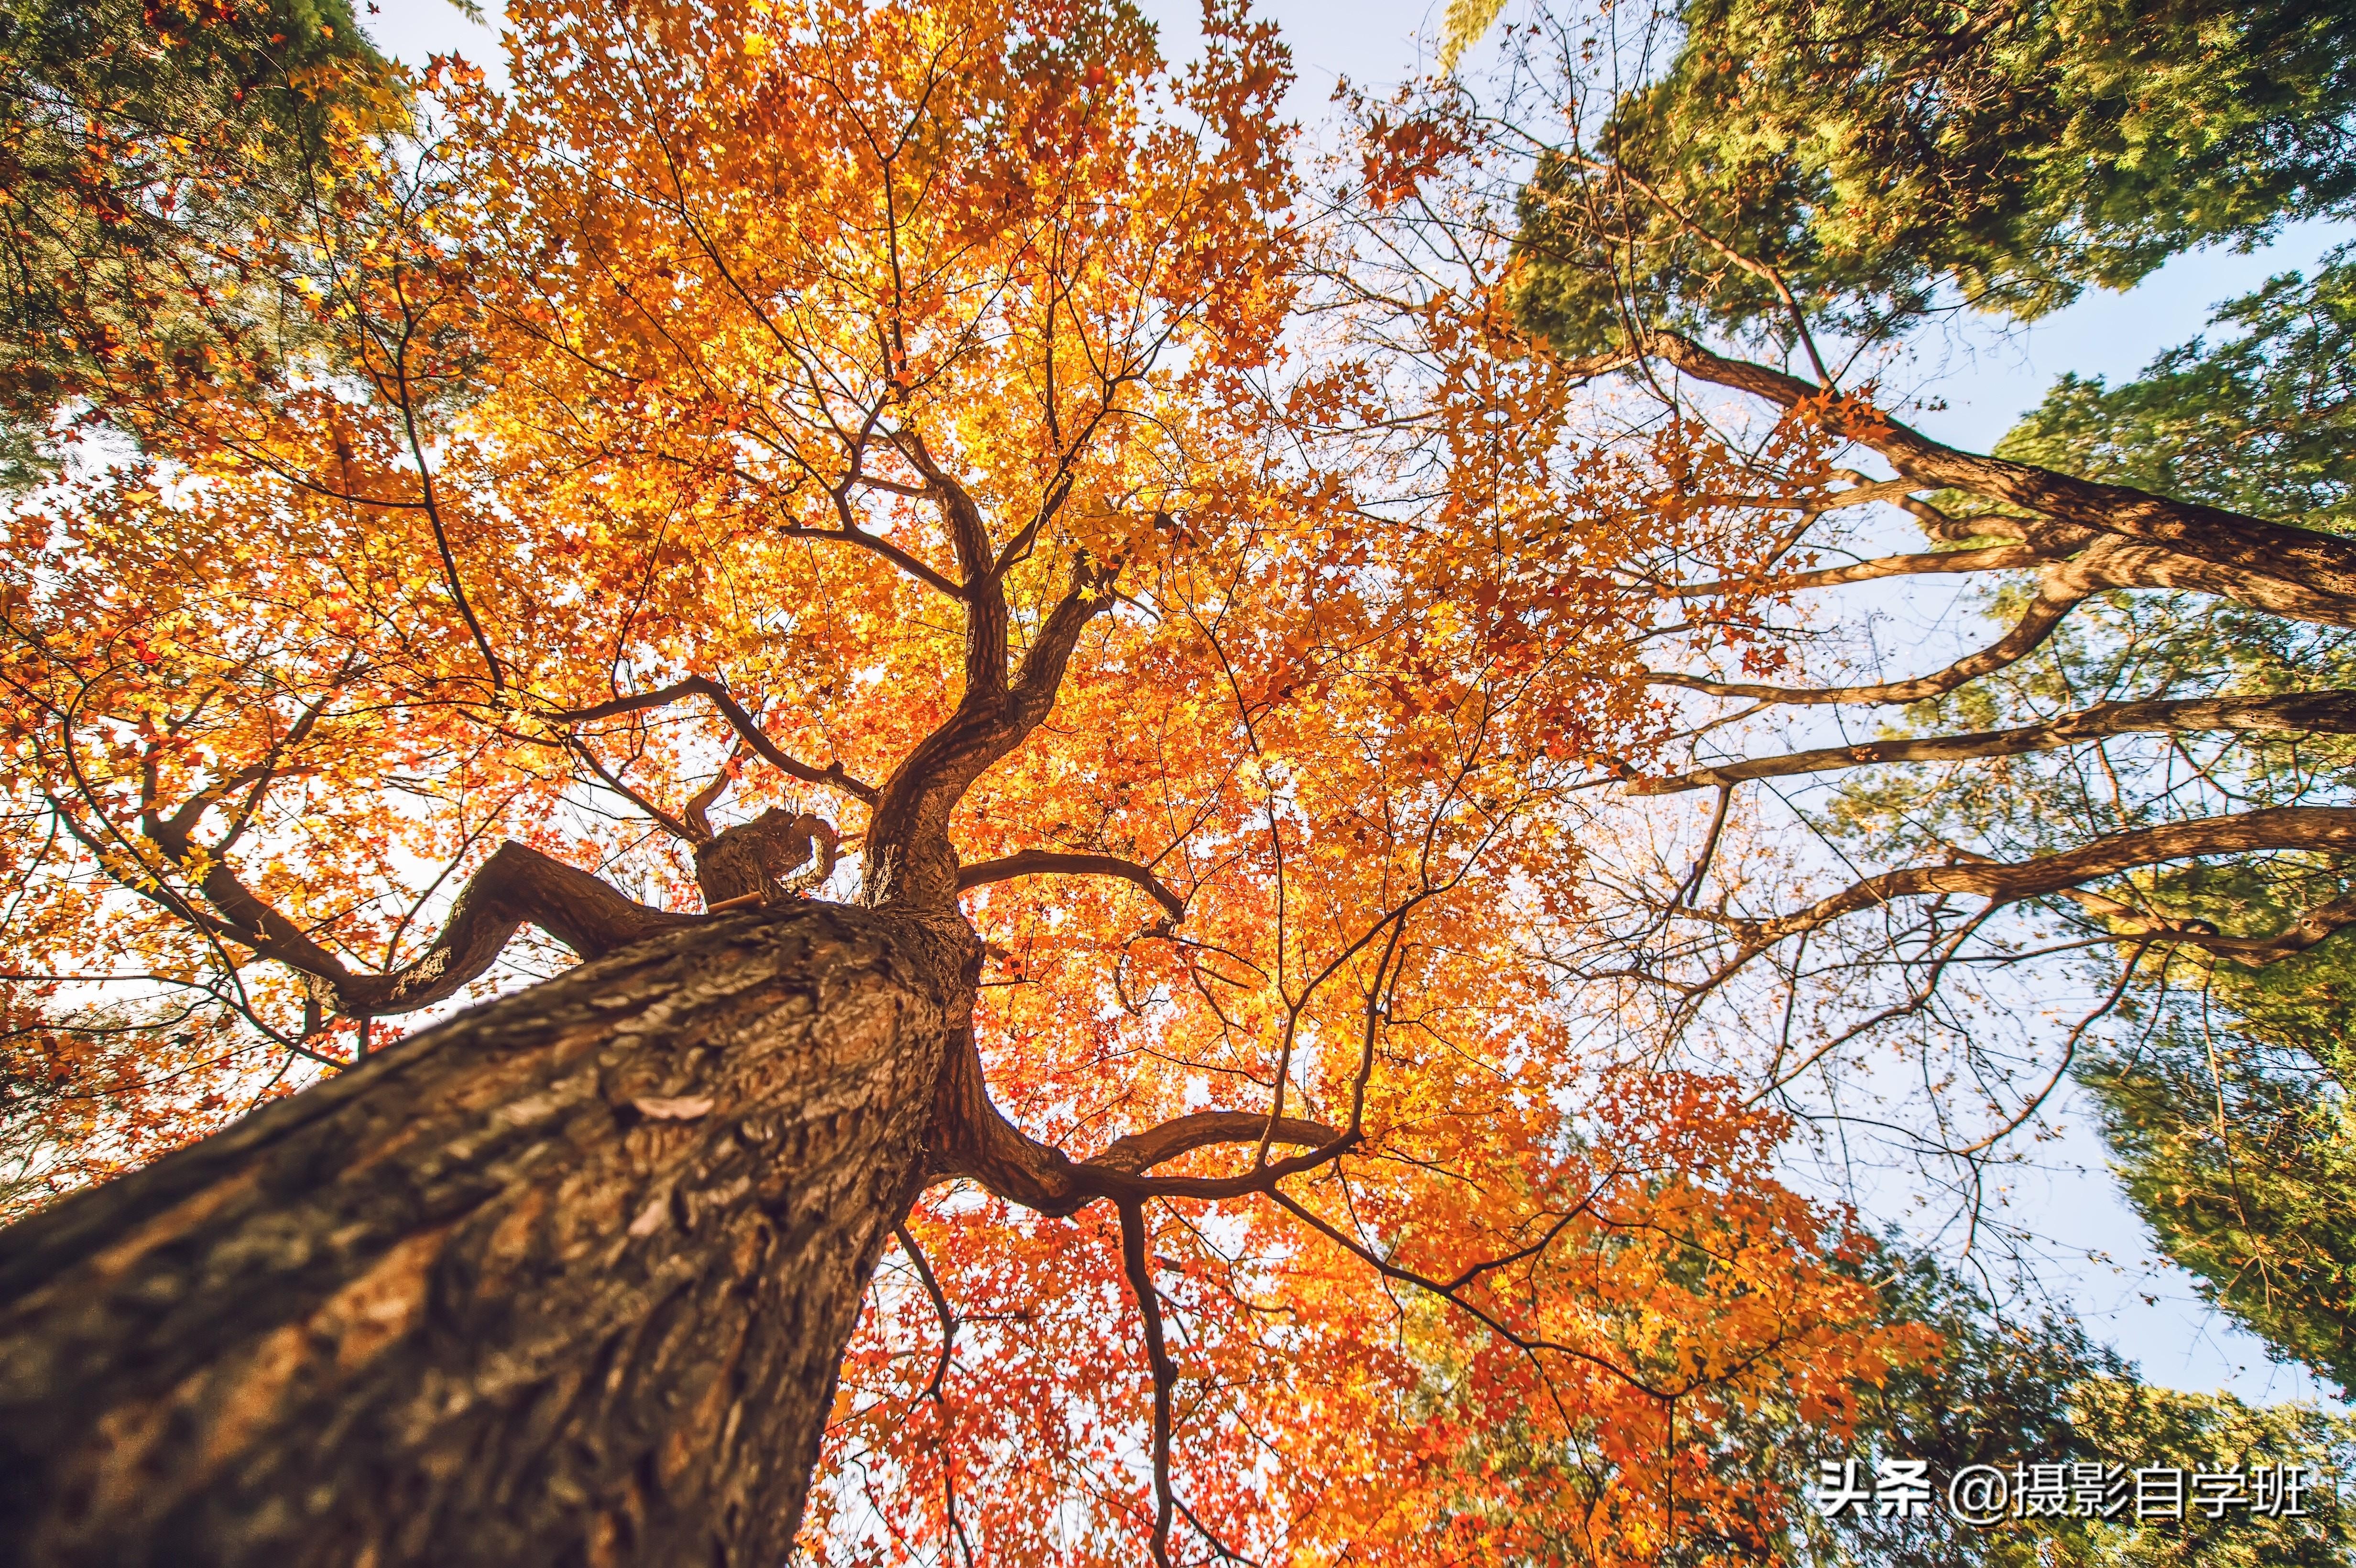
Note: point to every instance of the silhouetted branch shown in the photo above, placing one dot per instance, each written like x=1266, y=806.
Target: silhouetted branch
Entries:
x=936, y=1389
x=1053, y=862
x=2318, y=712
x=832, y=776
x=1997, y=558
x=1166, y=1373
x=2035, y=625
x=2280, y=828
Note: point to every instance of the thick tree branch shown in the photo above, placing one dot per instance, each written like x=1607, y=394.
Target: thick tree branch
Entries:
x=972, y=1139
x=2128, y=922
x=1140, y=1152
x=2316, y=712
x=969, y=533
x=2310, y=928
x=2299, y=558
x=2036, y=624
x=2319, y=827
x=696, y=812
x=1053, y=862
x=909, y=858
x=515, y=885
x=2112, y=562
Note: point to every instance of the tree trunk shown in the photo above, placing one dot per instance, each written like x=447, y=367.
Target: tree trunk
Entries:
x=565, y=1280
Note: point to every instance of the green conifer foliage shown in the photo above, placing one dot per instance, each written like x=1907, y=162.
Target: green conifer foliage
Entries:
x=1849, y=162
x=139, y=140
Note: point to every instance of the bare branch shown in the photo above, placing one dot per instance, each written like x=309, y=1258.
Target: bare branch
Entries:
x=1453, y=1297
x=2322, y=828
x=2035, y=625
x=1997, y=558
x=1051, y=862
x=2320, y=712
x=832, y=776
x=937, y=1390
x=2317, y=562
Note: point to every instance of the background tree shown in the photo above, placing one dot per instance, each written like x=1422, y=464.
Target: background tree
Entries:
x=1744, y=213
x=2225, y=1097
x=853, y=450
x=2229, y=1121
x=143, y=148
x=1787, y=169
x=2006, y=1389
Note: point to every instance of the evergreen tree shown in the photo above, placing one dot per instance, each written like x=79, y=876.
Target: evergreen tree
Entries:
x=2007, y=1388
x=2230, y=1115
x=141, y=143
x=1801, y=164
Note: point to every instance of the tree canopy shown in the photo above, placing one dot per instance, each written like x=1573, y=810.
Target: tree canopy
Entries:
x=1800, y=167
x=909, y=455
x=1009, y=682
x=141, y=145
x=2138, y=772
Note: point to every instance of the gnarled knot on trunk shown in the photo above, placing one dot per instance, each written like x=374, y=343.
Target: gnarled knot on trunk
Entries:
x=776, y=855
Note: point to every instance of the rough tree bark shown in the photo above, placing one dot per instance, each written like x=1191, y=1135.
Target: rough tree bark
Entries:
x=565, y=1280
x=569, y=1279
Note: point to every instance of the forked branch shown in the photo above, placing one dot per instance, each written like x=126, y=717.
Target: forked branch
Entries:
x=832, y=777
x=2126, y=922
x=909, y=860
x=2313, y=827
x=1453, y=1295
